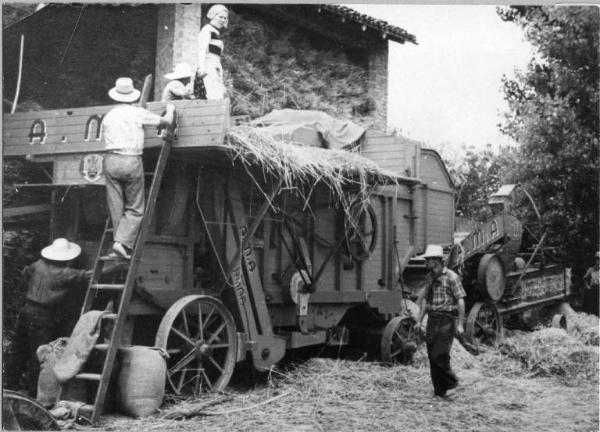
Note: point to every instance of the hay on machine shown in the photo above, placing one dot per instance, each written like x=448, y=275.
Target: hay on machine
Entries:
x=347, y=175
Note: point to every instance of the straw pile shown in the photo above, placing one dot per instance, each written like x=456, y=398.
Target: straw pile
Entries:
x=331, y=395
x=306, y=166
x=552, y=351
x=584, y=327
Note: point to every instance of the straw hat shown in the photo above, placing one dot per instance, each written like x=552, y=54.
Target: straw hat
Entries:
x=181, y=70
x=123, y=91
x=61, y=250
x=433, y=251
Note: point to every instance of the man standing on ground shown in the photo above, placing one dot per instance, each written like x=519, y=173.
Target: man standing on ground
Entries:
x=123, y=134
x=443, y=299
x=50, y=281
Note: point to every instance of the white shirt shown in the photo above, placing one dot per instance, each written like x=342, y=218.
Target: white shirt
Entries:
x=123, y=129
x=176, y=90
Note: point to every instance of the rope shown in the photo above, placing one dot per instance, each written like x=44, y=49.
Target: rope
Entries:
x=209, y=236
x=72, y=34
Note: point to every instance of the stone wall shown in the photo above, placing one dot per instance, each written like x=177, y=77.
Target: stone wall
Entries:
x=378, y=81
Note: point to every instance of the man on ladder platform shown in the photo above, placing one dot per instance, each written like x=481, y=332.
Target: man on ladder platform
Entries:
x=124, y=137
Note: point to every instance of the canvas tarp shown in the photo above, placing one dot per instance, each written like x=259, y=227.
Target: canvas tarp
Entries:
x=312, y=128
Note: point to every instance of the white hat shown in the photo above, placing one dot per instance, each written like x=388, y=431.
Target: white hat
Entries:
x=181, y=70
x=61, y=250
x=123, y=91
x=433, y=251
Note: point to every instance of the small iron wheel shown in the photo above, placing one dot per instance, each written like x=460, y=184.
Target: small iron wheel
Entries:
x=399, y=340
x=559, y=321
x=20, y=412
x=484, y=324
x=199, y=335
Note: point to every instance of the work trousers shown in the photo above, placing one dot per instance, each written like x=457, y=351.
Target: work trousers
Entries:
x=36, y=325
x=125, y=195
x=441, y=328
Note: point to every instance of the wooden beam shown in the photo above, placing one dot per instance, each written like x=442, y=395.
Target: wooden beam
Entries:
x=77, y=130
x=25, y=210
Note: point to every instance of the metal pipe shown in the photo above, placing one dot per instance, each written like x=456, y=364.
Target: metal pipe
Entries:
x=14, y=105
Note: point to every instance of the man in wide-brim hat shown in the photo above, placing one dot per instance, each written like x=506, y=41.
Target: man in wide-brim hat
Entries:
x=178, y=86
x=123, y=135
x=443, y=300
x=50, y=281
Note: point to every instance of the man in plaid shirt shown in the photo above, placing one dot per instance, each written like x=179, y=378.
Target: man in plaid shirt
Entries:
x=443, y=299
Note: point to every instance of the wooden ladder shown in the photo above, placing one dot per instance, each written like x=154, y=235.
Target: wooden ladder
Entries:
x=125, y=289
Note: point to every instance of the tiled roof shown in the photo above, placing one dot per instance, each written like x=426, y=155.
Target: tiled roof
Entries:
x=391, y=32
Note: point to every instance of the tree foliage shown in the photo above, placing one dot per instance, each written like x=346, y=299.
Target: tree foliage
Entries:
x=479, y=174
x=553, y=115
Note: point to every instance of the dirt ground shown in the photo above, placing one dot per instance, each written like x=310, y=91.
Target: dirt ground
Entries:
x=328, y=394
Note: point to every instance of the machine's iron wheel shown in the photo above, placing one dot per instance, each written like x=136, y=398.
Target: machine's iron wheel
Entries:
x=484, y=324
x=399, y=340
x=491, y=276
x=559, y=321
x=198, y=333
x=20, y=412
x=360, y=230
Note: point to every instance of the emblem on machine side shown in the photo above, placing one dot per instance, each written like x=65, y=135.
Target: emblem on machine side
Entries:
x=91, y=167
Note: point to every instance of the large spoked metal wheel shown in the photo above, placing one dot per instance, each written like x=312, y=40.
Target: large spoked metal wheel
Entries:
x=20, y=412
x=360, y=230
x=399, y=340
x=198, y=333
x=484, y=324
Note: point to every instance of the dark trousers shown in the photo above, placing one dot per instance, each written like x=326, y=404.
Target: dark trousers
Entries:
x=36, y=326
x=441, y=328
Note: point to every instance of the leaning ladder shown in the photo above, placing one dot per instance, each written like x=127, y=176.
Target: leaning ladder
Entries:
x=111, y=347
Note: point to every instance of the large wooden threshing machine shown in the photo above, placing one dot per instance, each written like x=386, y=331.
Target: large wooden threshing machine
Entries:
x=231, y=262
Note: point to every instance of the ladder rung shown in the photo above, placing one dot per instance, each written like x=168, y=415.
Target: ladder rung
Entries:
x=89, y=376
x=101, y=347
x=110, y=316
x=113, y=287
x=112, y=258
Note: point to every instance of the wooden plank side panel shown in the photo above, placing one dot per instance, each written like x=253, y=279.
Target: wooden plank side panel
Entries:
x=325, y=227
x=432, y=170
x=420, y=221
x=440, y=216
x=78, y=130
x=394, y=153
x=374, y=267
x=402, y=229
x=162, y=271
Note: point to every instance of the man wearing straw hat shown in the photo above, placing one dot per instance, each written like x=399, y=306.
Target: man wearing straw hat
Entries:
x=50, y=281
x=443, y=299
x=123, y=134
x=178, y=86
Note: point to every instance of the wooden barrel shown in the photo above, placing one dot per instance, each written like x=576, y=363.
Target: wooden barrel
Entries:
x=141, y=380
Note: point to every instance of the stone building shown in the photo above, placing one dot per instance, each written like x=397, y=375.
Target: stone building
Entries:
x=73, y=53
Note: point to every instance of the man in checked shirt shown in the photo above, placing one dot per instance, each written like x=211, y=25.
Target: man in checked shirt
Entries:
x=443, y=300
